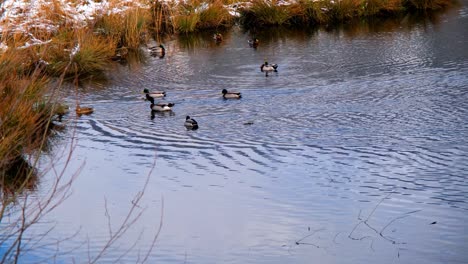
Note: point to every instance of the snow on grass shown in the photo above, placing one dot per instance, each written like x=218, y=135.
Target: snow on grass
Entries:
x=24, y=15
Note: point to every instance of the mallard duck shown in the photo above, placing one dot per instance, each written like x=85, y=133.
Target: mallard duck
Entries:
x=190, y=123
x=265, y=67
x=157, y=50
x=120, y=55
x=161, y=106
x=253, y=43
x=84, y=110
x=230, y=95
x=154, y=94
x=218, y=37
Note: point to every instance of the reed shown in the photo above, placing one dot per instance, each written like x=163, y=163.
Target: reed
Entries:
x=23, y=121
x=187, y=18
x=128, y=29
x=161, y=17
x=79, y=53
x=264, y=13
x=306, y=12
x=428, y=5
x=214, y=16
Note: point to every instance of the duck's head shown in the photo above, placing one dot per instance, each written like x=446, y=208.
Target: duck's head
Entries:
x=146, y=91
x=187, y=117
x=224, y=91
x=162, y=47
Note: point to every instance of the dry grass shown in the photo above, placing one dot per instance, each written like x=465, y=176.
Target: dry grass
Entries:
x=307, y=12
x=264, y=13
x=78, y=53
x=429, y=5
x=125, y=30
x=161, y=18
x=215, y=16
x=24, y=116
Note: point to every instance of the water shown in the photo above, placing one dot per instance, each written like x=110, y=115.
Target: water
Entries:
x=357, y=152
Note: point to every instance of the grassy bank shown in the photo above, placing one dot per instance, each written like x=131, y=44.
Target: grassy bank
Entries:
x=62, y=50
x=301, y=13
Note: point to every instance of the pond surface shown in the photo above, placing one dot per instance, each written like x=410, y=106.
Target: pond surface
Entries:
x=355, y=151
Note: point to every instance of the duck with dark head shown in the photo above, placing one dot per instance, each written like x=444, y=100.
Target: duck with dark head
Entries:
x=267, y=68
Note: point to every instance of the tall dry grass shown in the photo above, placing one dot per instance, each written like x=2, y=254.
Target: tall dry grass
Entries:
x=162, y=14
x=307, y=12
x=215, y=16
x=78, y=53
x=429, y=5
x=265, y=13
x=128, y=29
x=24, y=116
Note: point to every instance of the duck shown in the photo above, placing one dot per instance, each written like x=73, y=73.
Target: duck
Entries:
x=157, y=50
x=83, y=110
x=161, y=106
x=231, y=95
x=218, y=37
x=190, y=123
x=265, y=67
x=121, y=54
x=253, y=43
x=153, y=94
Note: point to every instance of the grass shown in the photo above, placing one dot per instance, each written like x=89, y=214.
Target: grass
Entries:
x=24, y=115
x=215, y=16
x=78, y=53
x=264, y=13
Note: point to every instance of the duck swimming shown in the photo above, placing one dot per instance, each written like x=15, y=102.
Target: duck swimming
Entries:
x=159, y=51
x=161, y=106
x=218, y=37
x=190, y=123
x=265, y=67
x=253, y=43
x=231, y=95
x=83, y=110
x=154, y=94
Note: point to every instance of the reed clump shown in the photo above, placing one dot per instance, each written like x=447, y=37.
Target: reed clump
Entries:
x=161, y=17
x=263, y=13
x=24, y=116
x=128, y=29
x=428, y=5
x=187, y=19
x=215, y=15
x=77, y=53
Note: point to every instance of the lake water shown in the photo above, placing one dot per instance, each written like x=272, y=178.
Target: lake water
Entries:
x=356, y=150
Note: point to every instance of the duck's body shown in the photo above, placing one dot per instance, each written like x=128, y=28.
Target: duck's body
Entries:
x=190, y=123
x=157, y=50
x=265, y=67
x=218, y=37
x=83, y=110
x=253, y=43
x=154, y=94
x=161, y=107
x=120, y=55
x=231, y=95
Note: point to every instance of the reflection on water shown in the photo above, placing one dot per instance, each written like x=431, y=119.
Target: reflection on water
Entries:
x=355, y=150
x=19, y=177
